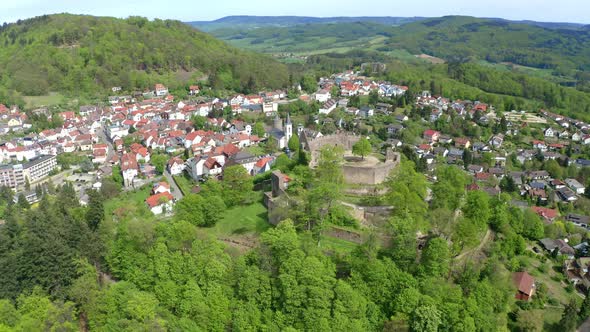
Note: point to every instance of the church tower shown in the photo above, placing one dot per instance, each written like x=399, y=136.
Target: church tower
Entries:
x=277, y=123
x=288, y=128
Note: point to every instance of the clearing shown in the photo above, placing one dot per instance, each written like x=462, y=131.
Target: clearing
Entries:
x=241, y=226
x=53, y=98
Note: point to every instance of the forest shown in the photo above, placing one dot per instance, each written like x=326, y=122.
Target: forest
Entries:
x=87, y=56
x=65, y=267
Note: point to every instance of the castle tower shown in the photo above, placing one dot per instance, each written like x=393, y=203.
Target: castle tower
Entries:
x=278, y=124
x=288, y=128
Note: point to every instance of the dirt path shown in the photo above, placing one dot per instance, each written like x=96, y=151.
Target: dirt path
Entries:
x=484, y=241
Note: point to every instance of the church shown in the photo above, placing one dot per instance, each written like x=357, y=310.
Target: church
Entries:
x=282, y=133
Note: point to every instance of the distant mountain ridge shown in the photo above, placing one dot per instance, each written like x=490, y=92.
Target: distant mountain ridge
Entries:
x=285, y=21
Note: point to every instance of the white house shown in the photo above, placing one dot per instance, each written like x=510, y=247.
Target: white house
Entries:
x=176, y=166
x=129, y=168
x=575, y=186
x=160, y=203
x=160, y=187
x=161, y=90
x=549, y=132
x=323, y=96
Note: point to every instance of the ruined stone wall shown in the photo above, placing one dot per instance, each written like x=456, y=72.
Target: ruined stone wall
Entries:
x=346, y=141
x=371, y=175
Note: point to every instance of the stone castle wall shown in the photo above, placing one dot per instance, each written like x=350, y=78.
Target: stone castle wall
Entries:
x=371, y=175
x=368, y=175
x=314, y=146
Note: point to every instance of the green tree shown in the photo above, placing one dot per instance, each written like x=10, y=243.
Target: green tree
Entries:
x=585, y=308
x=159, y=161
x=477, y=208
x=258, y=129
x=426, y=318
x=569, y=318
x=22, y=201
x=190, y=208
x=373, y=97
x=199, y=122
x=362, y=147
x=436, y=258
x=237, y=185
x=529, y=321
x=95, y=211
x=294, y=143
x=507, y=184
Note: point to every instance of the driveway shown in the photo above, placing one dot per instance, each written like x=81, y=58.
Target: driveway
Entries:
x=175, y=191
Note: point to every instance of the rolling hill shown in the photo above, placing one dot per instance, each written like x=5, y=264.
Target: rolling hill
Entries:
x=253, y=22
x=86, y=55
x=555, y=52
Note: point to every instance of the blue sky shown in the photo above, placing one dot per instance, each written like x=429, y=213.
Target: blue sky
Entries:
x=189, y=10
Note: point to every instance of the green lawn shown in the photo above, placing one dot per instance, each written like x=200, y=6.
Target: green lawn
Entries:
x=128, y=204
x=337, y=245
x=241, y=221
x=52, y=98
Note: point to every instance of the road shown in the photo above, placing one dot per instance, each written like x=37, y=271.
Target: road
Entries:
x=175, y=191
x=103, y=137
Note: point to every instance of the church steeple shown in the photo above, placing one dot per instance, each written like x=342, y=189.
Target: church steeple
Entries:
x=288, y=127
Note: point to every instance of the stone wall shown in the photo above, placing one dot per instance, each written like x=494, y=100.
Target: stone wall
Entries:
x=369, y=175
x=346, y=141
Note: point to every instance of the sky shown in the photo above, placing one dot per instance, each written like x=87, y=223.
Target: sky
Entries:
x=202, y=10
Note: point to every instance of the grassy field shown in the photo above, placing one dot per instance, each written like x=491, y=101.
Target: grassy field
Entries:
x=128, y=205
x=337, y=245
x=52, y=98
x=555, y=281
x=242, y=221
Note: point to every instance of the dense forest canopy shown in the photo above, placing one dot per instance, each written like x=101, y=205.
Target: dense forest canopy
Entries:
x=86, y=55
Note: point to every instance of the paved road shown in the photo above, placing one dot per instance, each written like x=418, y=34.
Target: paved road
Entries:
x=103, y=137
x=176, y=192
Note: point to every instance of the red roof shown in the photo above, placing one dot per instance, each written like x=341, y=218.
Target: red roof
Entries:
x=154, y=200
x=545, y=212
x=424, y=146
x=482, y=176
x=175, y=160
x=230, y=149
x=260, y=163
x=210, y=163
x=430, y=132
x=128, y=161
x=525, y=284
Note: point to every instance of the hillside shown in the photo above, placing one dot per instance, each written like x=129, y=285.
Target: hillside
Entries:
x=87, y=55
x=497, y=41
x=251, y=22
x=493, y=40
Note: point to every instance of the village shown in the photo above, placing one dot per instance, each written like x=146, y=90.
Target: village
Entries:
x=151, y=139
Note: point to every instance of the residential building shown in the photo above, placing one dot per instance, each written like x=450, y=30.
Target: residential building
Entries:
x=575, y=186
x=160, y=203
x=38, y=168
x=525, y=285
